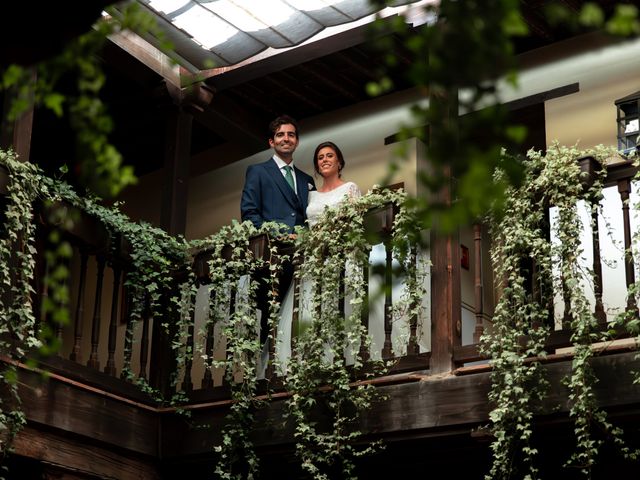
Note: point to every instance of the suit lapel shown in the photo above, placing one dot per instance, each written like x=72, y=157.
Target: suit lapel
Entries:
x=282, y=184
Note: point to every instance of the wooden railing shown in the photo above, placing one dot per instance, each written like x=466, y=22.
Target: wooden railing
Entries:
x=101, y=337
x=619, y=177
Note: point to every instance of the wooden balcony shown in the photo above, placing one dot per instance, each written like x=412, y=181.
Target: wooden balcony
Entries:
x=435, y=396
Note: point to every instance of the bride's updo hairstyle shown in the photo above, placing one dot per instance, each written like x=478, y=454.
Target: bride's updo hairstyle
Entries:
x=336, y=149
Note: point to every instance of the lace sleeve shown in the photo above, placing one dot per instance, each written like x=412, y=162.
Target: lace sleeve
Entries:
x=353, y=191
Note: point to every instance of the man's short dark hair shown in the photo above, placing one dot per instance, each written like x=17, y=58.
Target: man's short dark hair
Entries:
x=282, y=120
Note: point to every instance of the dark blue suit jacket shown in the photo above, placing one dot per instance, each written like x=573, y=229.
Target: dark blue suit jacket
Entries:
x=268, y=197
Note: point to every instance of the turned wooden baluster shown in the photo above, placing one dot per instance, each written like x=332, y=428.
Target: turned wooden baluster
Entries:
x=128, y=333
x=388, y=302
x=232, y=309
x=341, y=292
x=144, y=341
x=364, y=313
x=413, y=348
x=59, y=326
x=75, y=355
x=110, y=367
x=41, y=319
x=624, y=188
x=599, y=312
x=207, y=379
x=97, y=317
x=479, y=306
x=295, y=318
x=187, y=384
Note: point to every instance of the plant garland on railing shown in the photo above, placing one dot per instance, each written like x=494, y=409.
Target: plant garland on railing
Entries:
x=328, y=354
x=17, y=264
x=155, y=257
x=234, y=277
x=515, y=343
x=317, y=374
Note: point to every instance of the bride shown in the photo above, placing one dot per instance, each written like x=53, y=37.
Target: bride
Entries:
x=328, y=163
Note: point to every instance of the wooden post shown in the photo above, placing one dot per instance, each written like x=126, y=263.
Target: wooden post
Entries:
x=446, y=307
x=624, y=189
x=207, y=379
x=17, y=133
x=97, y=317
x=446, y=302
x=477, y=274
x=79, y=314
x=110, y=367
x=388, y=301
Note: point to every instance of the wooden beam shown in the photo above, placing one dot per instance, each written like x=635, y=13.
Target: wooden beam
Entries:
x=88, y=413
x=147, y=54
x=234, y=123
x=418, y=407
x=278, y=60
x=517, y=104
x=82, y=458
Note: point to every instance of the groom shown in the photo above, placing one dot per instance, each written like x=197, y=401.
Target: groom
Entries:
x=276, y=191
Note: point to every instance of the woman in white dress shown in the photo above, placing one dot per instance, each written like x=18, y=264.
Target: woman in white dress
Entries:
x=328, y=163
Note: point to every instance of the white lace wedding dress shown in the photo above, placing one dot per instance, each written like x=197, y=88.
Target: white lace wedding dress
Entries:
x=318, y=201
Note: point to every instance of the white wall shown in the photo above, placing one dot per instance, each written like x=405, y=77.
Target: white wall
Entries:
x=214, y=197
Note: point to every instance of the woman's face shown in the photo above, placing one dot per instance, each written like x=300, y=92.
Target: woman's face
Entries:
x=328, y=162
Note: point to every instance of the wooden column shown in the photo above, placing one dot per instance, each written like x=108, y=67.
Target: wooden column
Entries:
x=446, y=303
x=624, y=189
x=173, y=213
x=176, y=171
x=16, y=133
x=387, y=349
x=179, y=119
x=446, y=324
x=207, y=379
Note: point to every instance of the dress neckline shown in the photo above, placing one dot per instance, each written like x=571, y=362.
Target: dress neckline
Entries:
x=334, y=189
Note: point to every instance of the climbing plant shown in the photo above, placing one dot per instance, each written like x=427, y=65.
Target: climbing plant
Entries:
x=155, y=257
x=531, y=265
x=333, y=347
x=458, y=55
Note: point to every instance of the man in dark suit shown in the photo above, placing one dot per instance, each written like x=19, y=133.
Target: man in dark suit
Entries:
x=276, y=191
x=268, y=194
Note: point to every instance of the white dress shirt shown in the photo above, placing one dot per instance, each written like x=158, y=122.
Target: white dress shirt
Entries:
x=281, y=164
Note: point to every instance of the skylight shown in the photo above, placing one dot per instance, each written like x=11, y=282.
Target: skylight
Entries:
x=226, y=32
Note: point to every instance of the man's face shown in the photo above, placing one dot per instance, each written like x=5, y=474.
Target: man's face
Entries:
x=285, y=141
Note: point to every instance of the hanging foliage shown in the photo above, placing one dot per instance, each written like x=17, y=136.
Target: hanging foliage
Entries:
x=533, y=259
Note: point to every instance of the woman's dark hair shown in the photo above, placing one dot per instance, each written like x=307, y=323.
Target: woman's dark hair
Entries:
x=335, y=148
x=282, y=120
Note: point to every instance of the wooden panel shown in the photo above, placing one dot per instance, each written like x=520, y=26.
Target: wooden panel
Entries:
x=88, y=412
x=418, y=407
x=81, y=458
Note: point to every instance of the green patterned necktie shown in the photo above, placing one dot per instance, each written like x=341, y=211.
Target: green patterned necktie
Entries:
x=289, y=177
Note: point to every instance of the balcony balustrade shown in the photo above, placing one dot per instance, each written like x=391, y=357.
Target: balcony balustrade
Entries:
x=102, y=339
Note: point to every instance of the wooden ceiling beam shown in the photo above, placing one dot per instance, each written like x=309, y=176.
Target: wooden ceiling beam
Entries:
x=227, y=77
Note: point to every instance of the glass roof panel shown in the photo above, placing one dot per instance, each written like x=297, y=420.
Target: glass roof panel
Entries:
x=206, y=28
x=226, y=32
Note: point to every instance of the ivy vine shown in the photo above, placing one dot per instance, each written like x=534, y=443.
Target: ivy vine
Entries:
x=524, y=255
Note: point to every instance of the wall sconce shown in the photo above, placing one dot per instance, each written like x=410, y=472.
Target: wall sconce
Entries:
x=628, y=119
